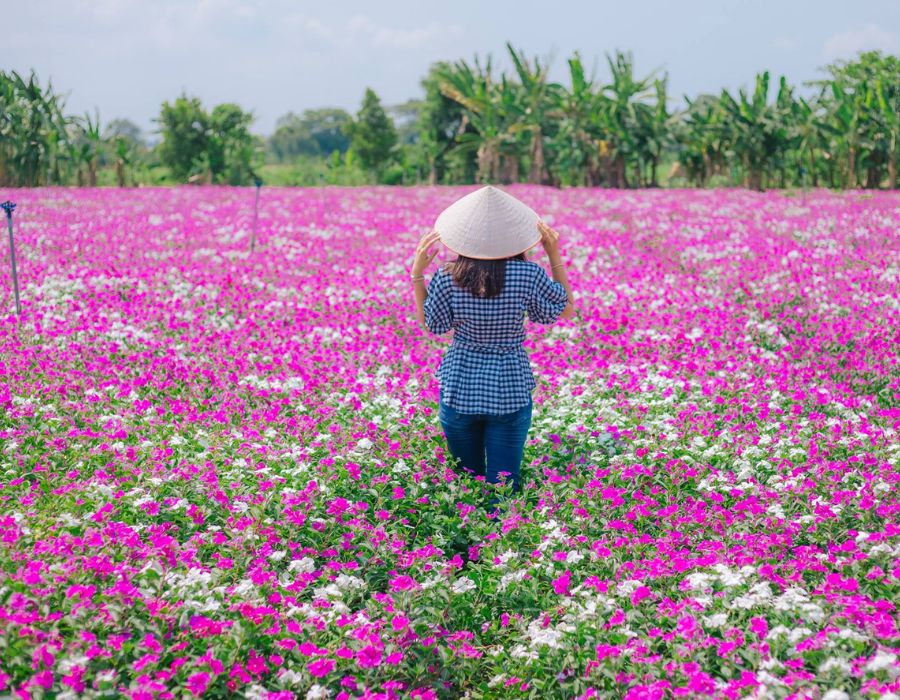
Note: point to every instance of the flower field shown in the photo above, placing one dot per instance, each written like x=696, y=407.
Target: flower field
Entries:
x=222, y=473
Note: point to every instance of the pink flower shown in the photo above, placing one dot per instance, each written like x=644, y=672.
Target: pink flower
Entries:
x=605, y=650
x=759, y=626
x=687, y=626
x=321, y=667
x=197, y=683
x=368, y=657
x=403, y=583
x=561, y=584
x=639, y=594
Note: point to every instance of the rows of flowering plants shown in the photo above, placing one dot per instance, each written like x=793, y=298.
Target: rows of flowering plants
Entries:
x=222, y=473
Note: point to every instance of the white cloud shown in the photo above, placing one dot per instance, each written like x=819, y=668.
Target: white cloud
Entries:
x=848, y=44
x=360, y=28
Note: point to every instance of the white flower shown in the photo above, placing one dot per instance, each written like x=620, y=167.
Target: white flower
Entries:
x=304, y=566
x=717, y=620
x=277, y=556
x=344, y=581
x=798, y=633
x=364, y=444
x=574, y=557
x=834, y=694
x=327, y=591
x=461, y=585
x=507, y=556
x=243, y=589
x=520, y=652
x=835, y=664
x=884, y=661
x=317, y=692
x=254, y=692
x=515, y=576
x=699, y=579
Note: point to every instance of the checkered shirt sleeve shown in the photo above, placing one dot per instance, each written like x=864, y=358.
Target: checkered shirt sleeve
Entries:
x=548, y=299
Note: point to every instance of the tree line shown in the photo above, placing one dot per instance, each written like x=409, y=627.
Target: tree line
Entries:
x=474, y=124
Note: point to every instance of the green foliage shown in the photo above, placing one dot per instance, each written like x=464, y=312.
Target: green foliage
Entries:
x=214, y=147
x=472, y=125
x=184, y=126
x=315, y=132
x=231, y=147
x=372, y=134
x=440, y=121
x=34, y=133
x=309, y=171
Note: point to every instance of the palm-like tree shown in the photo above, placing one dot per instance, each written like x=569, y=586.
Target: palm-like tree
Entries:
x=86, y=144
x=33, y=132
x=623, y=96
x=532, y=110
x=653, y=133
x=888, y=93
x=809, y=131
x=754, y=130
x=577, y=143
x=484, y=102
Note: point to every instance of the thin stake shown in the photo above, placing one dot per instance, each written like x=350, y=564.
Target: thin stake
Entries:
x=9, y=207
x=258, y=184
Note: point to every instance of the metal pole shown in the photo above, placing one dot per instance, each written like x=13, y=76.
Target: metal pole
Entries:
x=258, y=184
x=9, y=207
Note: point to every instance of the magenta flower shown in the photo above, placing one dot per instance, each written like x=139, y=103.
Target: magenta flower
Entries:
x=561, y=583
x=368, y=657
x=402, y=582
x=759, y=626
x=321, y=667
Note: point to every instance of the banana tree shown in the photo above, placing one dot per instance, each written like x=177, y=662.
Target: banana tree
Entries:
x=654, y=126
x=753, y=128
x=576, y=143
x=620, y=116
x=846, y=114
x=33, y=137
x=810, y=131
x=476, y=91
x=889, y=105
x=699, y=133
x=86, y=143
x=532, y=110
x=125, y=158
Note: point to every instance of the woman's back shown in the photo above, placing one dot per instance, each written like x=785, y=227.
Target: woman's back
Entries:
x=486, y=369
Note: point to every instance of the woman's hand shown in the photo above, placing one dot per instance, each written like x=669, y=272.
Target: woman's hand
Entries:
x=549, y=239
x=423, y=256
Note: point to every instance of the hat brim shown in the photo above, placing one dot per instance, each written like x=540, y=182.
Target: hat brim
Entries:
x=502, y=257
x=488, y=224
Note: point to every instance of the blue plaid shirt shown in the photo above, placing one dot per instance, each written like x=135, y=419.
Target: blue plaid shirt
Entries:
x=486, y=369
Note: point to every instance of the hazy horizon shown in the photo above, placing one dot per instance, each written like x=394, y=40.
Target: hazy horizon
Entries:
x=126, y=58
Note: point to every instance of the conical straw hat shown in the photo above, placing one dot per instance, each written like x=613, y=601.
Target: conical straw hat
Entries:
x=488, y=224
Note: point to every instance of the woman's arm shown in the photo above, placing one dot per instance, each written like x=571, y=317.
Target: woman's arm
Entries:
x=421, y=261
x=550, y=241
x=421, y=292
x=559, y=275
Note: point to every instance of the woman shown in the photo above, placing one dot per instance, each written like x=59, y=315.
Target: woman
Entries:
x=485, y=375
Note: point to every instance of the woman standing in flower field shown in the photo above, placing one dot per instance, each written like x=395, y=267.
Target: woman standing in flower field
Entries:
x=485, y=375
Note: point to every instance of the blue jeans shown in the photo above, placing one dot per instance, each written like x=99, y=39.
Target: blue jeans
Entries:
x=488, y=444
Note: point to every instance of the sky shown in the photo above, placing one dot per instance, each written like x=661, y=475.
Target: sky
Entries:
x=125, y=57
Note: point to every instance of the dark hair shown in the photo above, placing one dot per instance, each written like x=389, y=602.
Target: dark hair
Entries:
x=483, y=278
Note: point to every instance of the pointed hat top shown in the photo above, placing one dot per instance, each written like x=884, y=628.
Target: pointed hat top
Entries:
x=488, y=224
